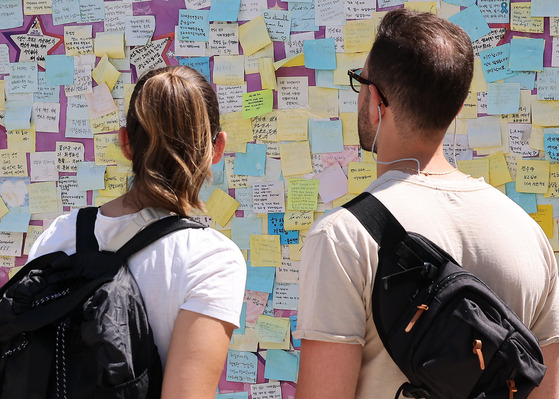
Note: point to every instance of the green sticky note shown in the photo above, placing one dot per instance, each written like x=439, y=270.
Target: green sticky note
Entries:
x=257, y=103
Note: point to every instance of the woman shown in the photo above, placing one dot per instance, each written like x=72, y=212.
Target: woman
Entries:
x=192, y=281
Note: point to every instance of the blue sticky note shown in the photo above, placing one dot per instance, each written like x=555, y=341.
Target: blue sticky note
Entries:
x=527, y=201
x=293, y=324
x=242, y=320
x=462, y=3
x=16, y=221
x=17, y=114
x=495, y=11
x=472, y=21
x=65, y=12
x=233, y=395
x=12, y=14
x=302, y=16
x=44, y=93
x=24, y=77
x=243, y=228
x=503, y=98
x=241, y=367
x=526, y=79
x=260, y=278
x=548, y=84
x=544, y=8
x=252, y=162
x=59, y=70
x=91, y=176
x=320, y=53
x=194, y=25
x=224, y=10
x=201, y=64
x=326, y=136
x=218, y=171
x=526, y=54
x=281, y=365
x=551, y=142
x=495, y=63
x=275, y=227
x=92, y=11
x=325, y=78
x=278, y=23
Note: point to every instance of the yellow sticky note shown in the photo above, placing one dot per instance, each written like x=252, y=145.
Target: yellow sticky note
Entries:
x=521, y=19
x=537, y=138
x=524, y=114
x=347, y=61
x=116, y=183
x=229, y=70
x=239, y=130
x=37, y=7
x=110, y=43
x=478, y=82
x=106, y=123
x=349, y=128
x=544, y=217
x=553, y=186
x=422, y=6
x=532, y=176
x=271, y=329
x=264, y=127
x=244, y=342
x=475, y=167
x=545, y=113
x=128, y=89
x=78, y=40
x=233, y=180
x=469, y=110
x=252, y=61
x=294, y=60
x=105, y=72
x=360, y=175
x=22, y=140
x=298, y=220
x=101, y=141
x=33, y=232
x=114, y=153
x=253, y=35
x=2, y=95
x=265, y=250
x=3, y=208
x=499, y=173
x=13, y=164
x=43, y=197
x=302, y=194
x=257, y=103
x=221, y=206
x=295, y=158
x=323, y=102
x=359, y=35
x=267, y=73
x=292, y=125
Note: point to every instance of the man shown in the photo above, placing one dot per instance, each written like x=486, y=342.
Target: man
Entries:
x=414, y=83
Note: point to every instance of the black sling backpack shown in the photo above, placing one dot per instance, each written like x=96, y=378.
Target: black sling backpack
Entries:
x=76, y=327
x=446, y=330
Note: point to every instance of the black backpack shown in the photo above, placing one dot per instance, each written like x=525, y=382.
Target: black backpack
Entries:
x=76, y=326
x=446, y=330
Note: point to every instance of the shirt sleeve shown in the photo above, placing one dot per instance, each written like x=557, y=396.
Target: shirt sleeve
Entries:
x=335, y=285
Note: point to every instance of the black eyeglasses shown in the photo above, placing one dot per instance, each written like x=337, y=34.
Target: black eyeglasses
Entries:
x=356, y=74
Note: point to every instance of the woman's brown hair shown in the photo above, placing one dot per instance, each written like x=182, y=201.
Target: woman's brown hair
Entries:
x=172, y=122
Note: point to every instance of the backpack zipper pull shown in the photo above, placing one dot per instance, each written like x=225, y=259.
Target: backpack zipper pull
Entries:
x=477, y=351
x=512, y=388
x=420, y=309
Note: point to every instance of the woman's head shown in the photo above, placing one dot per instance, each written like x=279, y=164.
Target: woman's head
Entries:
x=172, y=122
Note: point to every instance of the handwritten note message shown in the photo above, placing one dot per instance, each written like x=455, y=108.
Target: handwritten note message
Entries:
x=241, y=367
x=268, y=197
x=265, y=250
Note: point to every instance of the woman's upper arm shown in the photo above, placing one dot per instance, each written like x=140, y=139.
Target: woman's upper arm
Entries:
x=196, y=356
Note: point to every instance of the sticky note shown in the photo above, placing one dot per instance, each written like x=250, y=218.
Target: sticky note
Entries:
x=12, y=14
x=269, y=390
x=100, y=102
x=115, y=183
x=552, y=145
x=105, y=72
x=229, y=70
x=475, y=167
x=90, y=176
x=360, y=175
x=257, y=103
x=43, y=197
x=221, y=206
x=293, y=92
x=295, y=158
x=292, y=125
x=276, y=227
x=281, y=365
x=545, y=8
x=499, y=172
x=265, y=250
x=525, y=200
x=521, y=19
x=526, y=54
x=548, y=84
x=545, y=113
x=224, y=10
x=253, y=35
x=333, y=183
x=323, y=102
x=17, y=115
x=278, y=23
x=359, y=35
x=194, y=25
x=302, y=194
x=241, y=367
x=252, y=162
x=298, y=220
x=110, y=43
x=22, y=140
x=484, y=132
x=553, y=186
x=532, y=176
x=267, y=73
x=138, y=29
x=320, y=53
x=495, y=63
x=260, y=278
x=347, y=61
x=268, y=197
x=271, y=329
x=24, y=77
x=302, y=16
x=472, y=21
x=503, y=98
x=326, y=136
x=544, y=217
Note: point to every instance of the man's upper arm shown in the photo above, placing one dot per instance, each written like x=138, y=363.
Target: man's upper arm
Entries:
x=549, y=387
x=328, y=370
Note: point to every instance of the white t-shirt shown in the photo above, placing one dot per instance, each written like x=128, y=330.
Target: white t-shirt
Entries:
x=199, y=270
x=476, y=224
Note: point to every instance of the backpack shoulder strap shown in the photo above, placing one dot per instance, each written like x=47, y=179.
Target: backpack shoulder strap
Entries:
x=377, y=219
x=85, y=227
x=155, y=231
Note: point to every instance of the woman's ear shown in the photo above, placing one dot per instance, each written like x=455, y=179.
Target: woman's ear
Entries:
x=124, y=143
x=219, y=146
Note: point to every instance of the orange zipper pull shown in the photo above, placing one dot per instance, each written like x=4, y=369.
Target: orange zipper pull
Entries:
x=477, y=351
x=512, y=388
x=420, y=309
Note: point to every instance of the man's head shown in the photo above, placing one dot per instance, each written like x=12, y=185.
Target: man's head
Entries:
x=424, y=66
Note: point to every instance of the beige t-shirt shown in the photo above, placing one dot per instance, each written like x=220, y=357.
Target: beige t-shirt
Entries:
x=476, y=224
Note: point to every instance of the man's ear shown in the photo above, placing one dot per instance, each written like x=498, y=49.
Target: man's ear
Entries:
x=375, y=101
x=219, y=146
x=124, y=143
